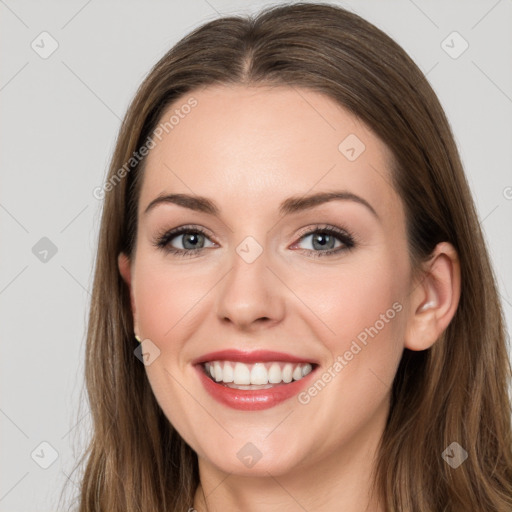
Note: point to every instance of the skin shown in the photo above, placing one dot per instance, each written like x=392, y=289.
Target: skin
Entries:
x=248, y=149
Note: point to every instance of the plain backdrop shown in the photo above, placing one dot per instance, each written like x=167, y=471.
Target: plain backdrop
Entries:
x=60, y=116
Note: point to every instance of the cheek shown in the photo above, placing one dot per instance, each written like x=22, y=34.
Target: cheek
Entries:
x=166, y=299
x=362, y=307
x=355, y=296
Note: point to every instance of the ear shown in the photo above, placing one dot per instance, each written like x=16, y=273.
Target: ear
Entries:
x=125, y=269
x=434, y=299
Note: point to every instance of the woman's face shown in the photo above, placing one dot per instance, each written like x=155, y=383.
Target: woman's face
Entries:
x=263, y=276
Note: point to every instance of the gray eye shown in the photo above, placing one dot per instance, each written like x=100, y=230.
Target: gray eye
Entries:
x=189, y=240
x=321, y=241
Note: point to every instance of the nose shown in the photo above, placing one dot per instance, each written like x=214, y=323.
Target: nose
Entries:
x=250, y=296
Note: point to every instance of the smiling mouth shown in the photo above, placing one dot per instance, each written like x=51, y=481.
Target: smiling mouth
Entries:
x=260, y=375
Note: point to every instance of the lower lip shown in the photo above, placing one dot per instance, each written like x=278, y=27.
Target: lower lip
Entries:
x=252, y=400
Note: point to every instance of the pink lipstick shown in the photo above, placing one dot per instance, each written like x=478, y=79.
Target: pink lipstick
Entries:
x=253, y=380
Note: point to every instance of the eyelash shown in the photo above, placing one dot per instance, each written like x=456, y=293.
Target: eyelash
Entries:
x=163, y=240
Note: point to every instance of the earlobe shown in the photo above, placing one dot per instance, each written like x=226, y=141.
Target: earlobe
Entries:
x=123, y=262
x=435, y=299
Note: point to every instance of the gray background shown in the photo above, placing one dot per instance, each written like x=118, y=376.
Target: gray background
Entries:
x=60, y=117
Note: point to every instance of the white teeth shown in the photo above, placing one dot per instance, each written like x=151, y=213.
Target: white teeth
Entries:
x=259, y=374
x=242, y=374
x=228, y=373
x=287, y=373
x=249, y=376
x=307, y=368
x=274, y=374
x=218, y=371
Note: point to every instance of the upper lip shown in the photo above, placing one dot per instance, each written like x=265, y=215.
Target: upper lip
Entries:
x=253, y=356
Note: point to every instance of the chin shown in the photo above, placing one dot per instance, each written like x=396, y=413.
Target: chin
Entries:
x=246, y=458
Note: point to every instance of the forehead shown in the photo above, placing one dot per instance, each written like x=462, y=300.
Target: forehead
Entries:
x=259, y=145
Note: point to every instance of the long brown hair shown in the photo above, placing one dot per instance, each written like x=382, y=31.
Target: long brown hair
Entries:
x=457, y=391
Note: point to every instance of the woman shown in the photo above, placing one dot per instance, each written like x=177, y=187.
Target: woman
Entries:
x=293, y=306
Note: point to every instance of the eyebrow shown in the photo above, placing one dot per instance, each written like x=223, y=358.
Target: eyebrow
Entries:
x=287, y=207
